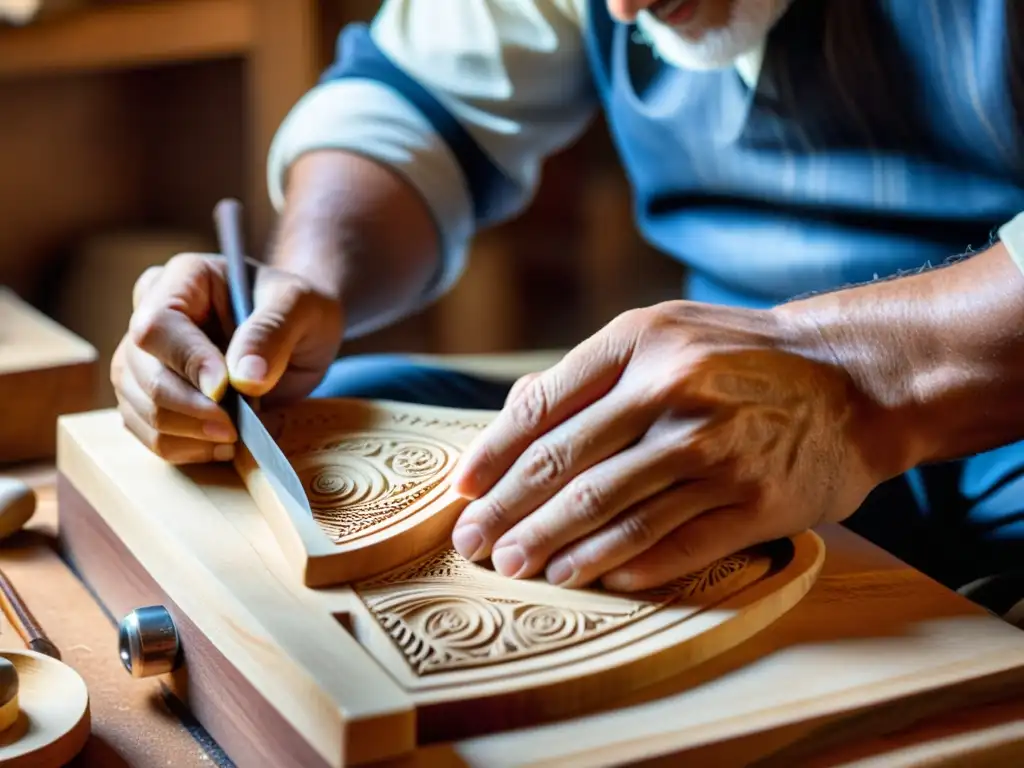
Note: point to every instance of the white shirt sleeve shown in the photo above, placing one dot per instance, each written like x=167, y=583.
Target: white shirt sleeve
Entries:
x=463, y=98
x=1012, y=235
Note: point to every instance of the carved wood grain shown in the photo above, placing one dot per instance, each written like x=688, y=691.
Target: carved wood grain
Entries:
x=376, y=477
x=874, y=645
x=451, y=631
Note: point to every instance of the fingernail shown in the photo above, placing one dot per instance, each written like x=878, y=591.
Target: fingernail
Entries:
x=251, y=368
x=218, y=431
x=468, y=541
x=212, y=383
x=559, y=572
x=508, y=561
x=224, y=453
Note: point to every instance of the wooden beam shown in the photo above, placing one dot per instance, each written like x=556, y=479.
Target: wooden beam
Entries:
x=283, y=65
x=129, y=35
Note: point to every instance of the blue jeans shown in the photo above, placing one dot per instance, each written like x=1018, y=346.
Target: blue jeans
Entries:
x=957, y=521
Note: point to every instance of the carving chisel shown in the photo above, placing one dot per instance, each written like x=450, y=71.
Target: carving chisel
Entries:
x=254, y=436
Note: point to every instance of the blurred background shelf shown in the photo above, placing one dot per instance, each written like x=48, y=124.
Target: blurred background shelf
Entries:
x=124, y=121
x=105, y=36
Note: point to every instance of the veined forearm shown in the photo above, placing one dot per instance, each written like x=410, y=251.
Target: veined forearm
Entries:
x=940, y=352
x=358, y=231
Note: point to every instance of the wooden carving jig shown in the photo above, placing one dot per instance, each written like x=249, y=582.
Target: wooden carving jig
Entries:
x=376, y=476
x=453, y=632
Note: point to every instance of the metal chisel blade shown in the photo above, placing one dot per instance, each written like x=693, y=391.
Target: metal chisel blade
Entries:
x=270, y=458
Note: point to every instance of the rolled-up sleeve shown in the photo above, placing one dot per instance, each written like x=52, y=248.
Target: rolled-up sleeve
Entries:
x=465, y=99
x=1012, y=236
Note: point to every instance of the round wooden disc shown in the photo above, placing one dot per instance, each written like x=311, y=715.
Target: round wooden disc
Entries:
x=54, y=722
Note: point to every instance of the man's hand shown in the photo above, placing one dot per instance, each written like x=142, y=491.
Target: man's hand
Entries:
x=169, y=375
x=676, y=435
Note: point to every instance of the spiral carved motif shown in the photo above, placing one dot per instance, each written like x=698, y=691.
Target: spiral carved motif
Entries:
x=341, y=486
x=438, y=632
x=538, y=624
x=416, y=460
x=366, y=482
x=445, y=613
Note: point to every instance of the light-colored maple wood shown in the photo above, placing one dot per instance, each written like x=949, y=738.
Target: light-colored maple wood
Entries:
x=24, y=11
x=119, y=35
x=17, y=505
x=53, y=722
x=131, y=725
x=45, y=371
x=131, y=721
x=9, y=709
x=438, y=647
x=376, y=479
x=216, y=567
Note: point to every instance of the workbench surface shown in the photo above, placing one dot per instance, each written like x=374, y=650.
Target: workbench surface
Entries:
x=133, y=723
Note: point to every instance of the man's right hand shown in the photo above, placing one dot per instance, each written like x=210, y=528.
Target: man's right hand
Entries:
x=169, y=375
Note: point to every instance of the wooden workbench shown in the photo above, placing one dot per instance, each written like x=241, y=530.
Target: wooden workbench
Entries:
x=133, y=723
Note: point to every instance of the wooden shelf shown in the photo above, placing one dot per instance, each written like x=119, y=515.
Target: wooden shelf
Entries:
x=119, y=36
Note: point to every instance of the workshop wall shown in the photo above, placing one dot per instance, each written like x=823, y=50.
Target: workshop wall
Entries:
x=112, y=160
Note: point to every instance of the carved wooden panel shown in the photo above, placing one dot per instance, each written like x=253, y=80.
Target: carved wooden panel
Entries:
x=428, y=648
x=445, y=613
x=451, y=631
x=376, y=477
x=359, y=485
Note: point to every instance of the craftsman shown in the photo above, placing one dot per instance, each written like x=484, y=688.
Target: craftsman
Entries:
x=784, y=150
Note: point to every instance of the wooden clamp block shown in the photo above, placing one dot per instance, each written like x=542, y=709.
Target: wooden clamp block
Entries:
x=45, y=371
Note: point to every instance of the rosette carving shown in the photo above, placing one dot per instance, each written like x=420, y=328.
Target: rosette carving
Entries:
x=366, y=482
x=444, y=613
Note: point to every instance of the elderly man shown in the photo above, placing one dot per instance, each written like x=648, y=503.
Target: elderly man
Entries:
x=780, y=149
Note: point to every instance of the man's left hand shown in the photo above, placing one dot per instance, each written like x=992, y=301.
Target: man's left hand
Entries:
x=676, y=435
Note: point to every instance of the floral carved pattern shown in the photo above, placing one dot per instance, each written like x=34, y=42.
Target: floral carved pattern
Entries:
x=444, y=613
x=365, y=482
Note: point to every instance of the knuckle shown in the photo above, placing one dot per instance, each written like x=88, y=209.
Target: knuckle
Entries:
x=149, y=277
x=191, y=363
x=587, y=504
x=156, y=388
x=545, y=463
x=629, y=319
x=493, y=516
x=531, y=406
x=636, y=531
x=187, y=261
x=145, y=328
x=117, y=366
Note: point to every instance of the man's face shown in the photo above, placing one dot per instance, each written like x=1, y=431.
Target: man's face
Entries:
x=701, y=34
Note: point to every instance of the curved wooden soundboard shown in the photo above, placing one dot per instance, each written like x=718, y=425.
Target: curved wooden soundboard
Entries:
x=454, y=633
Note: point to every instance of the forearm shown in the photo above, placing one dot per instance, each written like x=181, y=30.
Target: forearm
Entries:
x=940, y=353
x=358, y=231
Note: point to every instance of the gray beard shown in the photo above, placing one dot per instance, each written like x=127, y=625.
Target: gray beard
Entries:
x=750, y=22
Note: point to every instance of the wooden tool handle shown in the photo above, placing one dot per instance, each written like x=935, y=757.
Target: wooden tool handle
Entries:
x=227, y=216
x=24, y=622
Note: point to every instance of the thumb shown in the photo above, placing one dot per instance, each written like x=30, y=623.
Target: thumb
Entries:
x=261, y=348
